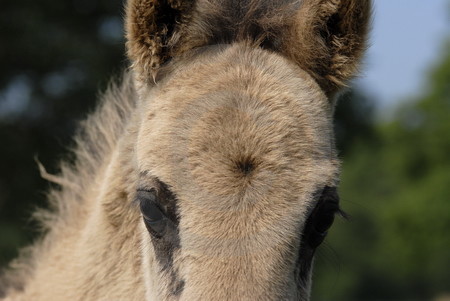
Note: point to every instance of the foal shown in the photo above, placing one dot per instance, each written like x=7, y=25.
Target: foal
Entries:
x=210, y=173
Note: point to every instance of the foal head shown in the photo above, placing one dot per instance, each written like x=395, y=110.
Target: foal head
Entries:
x=235, y=149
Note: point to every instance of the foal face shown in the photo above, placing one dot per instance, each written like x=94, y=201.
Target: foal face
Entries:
x=237, y=170
x=235, y=147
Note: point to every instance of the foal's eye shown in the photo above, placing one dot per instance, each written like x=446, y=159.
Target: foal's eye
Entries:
x=327, y=208
x=322, y=217
x=154, y=218
x=324, y=222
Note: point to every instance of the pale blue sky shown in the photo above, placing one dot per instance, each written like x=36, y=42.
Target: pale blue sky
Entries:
x=407, y=39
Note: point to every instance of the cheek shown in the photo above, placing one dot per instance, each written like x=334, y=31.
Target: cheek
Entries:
x=148, y=265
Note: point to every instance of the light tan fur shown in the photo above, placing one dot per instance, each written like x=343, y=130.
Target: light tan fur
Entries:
x=195, y=109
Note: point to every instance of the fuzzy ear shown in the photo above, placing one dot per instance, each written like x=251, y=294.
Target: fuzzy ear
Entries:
x=152, y=31
x=328, y=39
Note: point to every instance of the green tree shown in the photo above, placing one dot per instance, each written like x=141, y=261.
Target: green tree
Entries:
x=53, y=55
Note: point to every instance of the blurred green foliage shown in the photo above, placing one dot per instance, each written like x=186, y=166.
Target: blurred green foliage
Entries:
x=395, y=182
x=55, y=57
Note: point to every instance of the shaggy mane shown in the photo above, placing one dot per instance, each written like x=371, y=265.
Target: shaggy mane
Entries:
x=96, y=138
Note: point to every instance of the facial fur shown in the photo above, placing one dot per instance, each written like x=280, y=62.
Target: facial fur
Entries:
x=243, y=145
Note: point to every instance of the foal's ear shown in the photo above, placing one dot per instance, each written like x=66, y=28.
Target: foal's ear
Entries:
x=328, y=39
x=152, y=30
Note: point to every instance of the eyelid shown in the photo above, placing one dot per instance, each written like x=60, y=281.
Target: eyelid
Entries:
x=318, y=198
x=146, y=189
x=333, y=199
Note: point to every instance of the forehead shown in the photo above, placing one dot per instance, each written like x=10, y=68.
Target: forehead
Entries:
x=236, y=121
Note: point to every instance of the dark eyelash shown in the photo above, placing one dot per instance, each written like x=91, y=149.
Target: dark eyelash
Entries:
x=341, y=213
